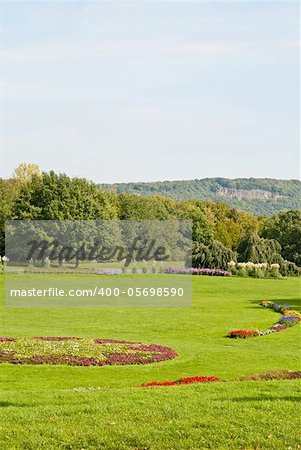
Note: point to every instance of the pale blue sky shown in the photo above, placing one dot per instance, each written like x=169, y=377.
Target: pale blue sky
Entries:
x=151, y=91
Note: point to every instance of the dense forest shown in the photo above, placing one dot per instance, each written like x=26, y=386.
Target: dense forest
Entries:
x=261, y=196
x=221, y=233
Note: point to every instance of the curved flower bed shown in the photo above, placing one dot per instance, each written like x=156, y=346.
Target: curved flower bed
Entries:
x=189, y=380
x=75, y=351
x=289, y=318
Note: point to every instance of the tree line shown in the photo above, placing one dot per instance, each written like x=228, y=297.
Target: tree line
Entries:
x=261, y=196
x=221, y=233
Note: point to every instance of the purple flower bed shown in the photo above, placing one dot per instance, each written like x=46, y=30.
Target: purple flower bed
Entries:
x=195, y=271
x=108, y=271
x=69, y=360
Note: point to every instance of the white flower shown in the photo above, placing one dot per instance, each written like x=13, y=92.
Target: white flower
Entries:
x=231, y=264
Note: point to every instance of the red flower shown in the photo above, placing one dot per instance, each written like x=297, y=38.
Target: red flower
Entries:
x=189, y=380
x=242, y=333
x=199, y=379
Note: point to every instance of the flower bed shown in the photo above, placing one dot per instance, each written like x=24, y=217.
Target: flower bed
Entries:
x=75, y=351
x=189, y=380
x=280, y=374
x=289, y=318
x=243, y=334
x=195, y=271
x=108, y=271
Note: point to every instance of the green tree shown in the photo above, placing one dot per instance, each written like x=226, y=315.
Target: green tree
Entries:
x=8, y=194
x=212, y=256
x=193, y=210
x=285, y=227
x=25, y=171
x=258, y=250
x=58, y=197
x=228, y=224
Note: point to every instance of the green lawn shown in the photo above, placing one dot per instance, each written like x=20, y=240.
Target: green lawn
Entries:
x=39, y=409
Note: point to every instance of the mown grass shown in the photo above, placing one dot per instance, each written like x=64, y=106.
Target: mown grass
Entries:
x=220, y=416
x=231, y=415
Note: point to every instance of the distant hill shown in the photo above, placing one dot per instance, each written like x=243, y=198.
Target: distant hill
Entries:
x=261, y=196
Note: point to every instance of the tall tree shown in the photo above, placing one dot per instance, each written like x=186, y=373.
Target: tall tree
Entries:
x=58, y=197
x=259, y=250
x=212, y=256
x=285, y=227
x=25, y=171
x=8, y=194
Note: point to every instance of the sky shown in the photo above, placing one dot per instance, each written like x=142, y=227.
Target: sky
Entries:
x=137, y=91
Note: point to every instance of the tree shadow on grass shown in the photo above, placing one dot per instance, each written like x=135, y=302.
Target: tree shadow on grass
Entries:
x=294, y=303
x=266, y=398
x=18, y=405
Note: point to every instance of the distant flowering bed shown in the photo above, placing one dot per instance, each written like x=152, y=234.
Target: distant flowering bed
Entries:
x=189, y=380
x=108, y=272
x=195, y=271
x=75, y=351
x=288, y=319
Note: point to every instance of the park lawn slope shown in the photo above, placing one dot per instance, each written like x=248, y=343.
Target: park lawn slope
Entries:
x=219, y=416
x=117, y=414
x=197, y=334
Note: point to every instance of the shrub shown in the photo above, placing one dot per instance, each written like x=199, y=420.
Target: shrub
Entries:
x=255, y=270
x=260, y=273
x=288, y=268
x=242, y=272
x=215, y=255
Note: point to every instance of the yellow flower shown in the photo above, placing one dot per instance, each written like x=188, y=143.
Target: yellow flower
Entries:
x=291, y=312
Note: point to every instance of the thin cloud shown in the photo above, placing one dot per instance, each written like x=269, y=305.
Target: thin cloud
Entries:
x=49, y=53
